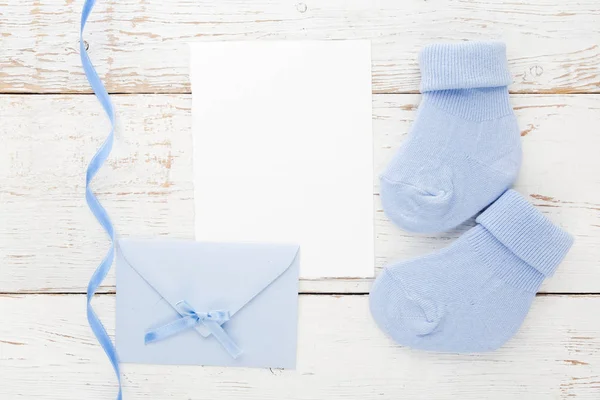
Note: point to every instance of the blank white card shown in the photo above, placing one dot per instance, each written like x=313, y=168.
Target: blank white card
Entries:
x=283, y=149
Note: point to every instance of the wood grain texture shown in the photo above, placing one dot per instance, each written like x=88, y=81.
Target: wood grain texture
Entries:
x=47, y=352
x=51, y=243
x=140, y=46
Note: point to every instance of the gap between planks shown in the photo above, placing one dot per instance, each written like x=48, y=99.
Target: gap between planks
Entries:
x=187, y=92
x=335, y=294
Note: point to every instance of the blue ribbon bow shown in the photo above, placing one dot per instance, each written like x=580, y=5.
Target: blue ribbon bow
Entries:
x=189, y=319
x=93, y=203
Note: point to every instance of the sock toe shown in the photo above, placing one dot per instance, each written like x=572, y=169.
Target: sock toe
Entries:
x=403, y=315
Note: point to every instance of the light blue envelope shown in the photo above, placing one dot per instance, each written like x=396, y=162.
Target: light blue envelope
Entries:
x=255, y=285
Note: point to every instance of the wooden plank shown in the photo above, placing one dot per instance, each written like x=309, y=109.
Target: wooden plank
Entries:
x=49, y=241
x=140, y=46
x=47, y=352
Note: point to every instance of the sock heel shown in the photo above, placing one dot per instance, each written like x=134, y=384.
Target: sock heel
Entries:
x=407, y=200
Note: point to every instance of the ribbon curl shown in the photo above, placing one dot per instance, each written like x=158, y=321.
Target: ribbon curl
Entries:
x=189, y=319
x=99, y=212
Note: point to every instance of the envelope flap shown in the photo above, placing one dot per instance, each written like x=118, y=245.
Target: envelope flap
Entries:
x=208, y=276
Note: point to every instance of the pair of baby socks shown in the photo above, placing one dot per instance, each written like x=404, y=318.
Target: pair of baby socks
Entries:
x=462, y=154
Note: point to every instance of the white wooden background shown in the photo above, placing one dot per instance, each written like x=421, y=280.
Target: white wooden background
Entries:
x=50, y=126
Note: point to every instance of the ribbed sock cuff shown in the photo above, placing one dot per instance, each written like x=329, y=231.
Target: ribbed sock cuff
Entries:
x=526, y=232
x=464, y=65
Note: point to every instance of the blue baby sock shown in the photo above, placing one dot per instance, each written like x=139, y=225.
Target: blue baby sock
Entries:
x=464, y=148
x=473, y=295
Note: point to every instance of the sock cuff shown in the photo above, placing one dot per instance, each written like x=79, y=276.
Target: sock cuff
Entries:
x=526, y=232
x=464, y=65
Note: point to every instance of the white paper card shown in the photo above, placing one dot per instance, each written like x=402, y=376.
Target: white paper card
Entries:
x=283, y=149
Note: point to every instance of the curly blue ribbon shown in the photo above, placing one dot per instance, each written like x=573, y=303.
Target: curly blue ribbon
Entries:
x=189, y=319
x=93, y=203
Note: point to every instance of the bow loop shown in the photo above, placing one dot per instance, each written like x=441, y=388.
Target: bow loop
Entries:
x=184, y=308
x=218, y=316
